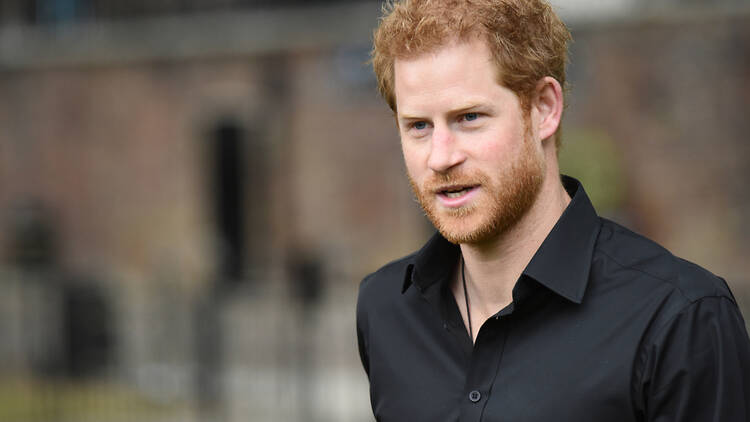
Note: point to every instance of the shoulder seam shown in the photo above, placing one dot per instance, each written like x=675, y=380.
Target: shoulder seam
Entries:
x=642, y=271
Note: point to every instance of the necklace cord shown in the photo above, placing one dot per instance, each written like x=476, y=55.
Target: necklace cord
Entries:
x=466, y=299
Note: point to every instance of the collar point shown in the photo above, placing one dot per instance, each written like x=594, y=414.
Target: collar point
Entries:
x=407, y=278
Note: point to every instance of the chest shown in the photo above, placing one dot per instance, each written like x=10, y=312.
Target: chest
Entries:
x=553, y=364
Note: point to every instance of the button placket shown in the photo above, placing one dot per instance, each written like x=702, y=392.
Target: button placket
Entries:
x=485, y=361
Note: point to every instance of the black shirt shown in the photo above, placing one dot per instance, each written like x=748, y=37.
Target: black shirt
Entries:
x=604, y=325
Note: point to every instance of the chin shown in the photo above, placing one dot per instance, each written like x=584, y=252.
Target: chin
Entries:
x=465, y=229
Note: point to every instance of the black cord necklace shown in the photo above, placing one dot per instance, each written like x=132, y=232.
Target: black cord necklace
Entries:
x=466, y=299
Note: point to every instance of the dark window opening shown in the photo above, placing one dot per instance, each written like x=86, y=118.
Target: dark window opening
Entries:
x=227, y=142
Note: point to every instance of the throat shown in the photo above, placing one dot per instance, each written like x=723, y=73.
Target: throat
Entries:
x=479, y=297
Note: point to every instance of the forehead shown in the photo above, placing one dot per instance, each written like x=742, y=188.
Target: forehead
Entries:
x=458, y=72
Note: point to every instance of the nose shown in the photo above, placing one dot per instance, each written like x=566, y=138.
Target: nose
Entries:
x=444, y=150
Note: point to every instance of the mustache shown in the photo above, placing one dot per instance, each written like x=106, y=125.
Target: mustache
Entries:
x=453, y=178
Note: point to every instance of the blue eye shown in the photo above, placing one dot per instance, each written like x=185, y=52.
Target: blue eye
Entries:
x=471, y=116
x=419, y=125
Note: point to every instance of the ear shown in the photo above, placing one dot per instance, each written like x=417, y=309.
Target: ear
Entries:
x=547, y=105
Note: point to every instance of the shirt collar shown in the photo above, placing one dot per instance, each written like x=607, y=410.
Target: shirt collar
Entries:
x=561, y=263
x=434, y=262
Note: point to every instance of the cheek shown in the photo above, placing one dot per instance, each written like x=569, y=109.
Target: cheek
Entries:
x=490, y=150
x=504, y=142
x=499, y=149
x=413, y=159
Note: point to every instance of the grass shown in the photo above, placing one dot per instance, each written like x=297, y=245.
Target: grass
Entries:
x=29, y=400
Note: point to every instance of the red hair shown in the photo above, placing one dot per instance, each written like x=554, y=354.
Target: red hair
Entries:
x=527, y=39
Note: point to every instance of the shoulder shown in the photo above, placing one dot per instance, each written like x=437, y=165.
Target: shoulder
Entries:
x=379, y=294
x=689, y=337
x=624, y=251
x=387, y=282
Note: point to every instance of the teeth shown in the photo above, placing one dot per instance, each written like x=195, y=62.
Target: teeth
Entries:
x=455, y=194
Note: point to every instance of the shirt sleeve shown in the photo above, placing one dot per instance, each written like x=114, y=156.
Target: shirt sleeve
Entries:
x=696, y=368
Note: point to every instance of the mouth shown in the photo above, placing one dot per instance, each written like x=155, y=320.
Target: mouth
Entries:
x=455, y=192
x=454, y=195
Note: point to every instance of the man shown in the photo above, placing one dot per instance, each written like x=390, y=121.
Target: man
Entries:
x=526, y=306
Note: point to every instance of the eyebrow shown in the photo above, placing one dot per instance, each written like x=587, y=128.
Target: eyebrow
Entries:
x=467, y=107
x=406, y=116
x=461, y=109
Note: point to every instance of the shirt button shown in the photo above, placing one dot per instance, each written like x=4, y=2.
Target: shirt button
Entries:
x=475, y=396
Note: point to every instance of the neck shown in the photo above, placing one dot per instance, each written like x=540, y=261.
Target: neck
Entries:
x=493, y=267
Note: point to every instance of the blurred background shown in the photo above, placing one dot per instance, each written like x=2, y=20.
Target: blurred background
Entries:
x=191, y=190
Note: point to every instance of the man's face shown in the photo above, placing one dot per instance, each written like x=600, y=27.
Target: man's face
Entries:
x=472, y=159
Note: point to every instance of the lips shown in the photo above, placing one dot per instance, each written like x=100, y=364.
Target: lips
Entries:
x=454, y=191
x=456, y=195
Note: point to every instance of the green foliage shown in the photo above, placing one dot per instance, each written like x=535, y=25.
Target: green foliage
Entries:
x=593, y=158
